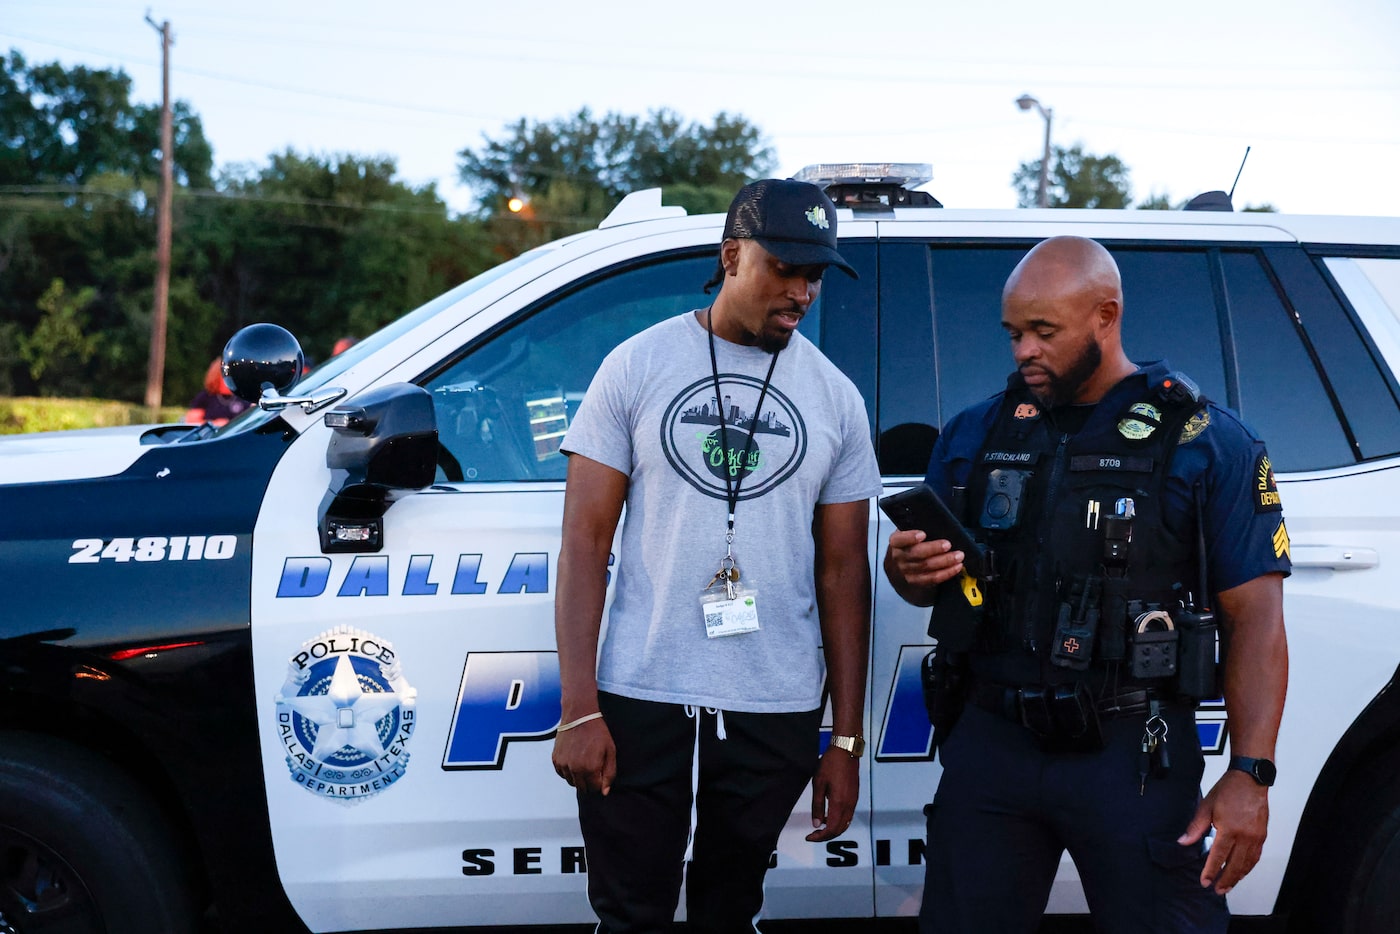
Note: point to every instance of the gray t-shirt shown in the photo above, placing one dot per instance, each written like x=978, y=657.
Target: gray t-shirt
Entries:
x=651, y=413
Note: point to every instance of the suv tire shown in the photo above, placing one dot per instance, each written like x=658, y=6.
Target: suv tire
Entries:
x=81, y=847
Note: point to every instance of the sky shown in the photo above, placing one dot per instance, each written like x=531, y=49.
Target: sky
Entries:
x=1176, y=91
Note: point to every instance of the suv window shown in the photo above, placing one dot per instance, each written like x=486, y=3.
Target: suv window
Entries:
x=503, y=406
x=942, y=347
x=1365, y=393
x=1280, y=393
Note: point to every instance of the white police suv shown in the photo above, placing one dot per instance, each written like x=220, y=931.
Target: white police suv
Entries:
x=300, y=671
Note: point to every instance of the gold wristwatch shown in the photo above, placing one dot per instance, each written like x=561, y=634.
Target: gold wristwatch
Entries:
x=855, y=745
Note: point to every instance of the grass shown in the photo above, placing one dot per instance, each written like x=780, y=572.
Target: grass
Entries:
x=22, y=415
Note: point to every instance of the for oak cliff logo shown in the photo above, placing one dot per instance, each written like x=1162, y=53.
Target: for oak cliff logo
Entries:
x=345, y=715
x=704, y=437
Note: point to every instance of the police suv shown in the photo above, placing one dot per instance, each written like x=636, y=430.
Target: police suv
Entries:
x=300, y=670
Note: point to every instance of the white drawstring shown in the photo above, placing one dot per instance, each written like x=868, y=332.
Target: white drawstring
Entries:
x=691, y=711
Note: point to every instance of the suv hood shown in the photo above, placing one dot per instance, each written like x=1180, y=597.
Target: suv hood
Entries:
x=73, y=455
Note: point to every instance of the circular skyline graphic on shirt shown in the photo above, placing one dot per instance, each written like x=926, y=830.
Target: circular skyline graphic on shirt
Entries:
x=696, y=425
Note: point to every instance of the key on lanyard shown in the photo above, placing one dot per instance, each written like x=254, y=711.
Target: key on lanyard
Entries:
x=729, y=573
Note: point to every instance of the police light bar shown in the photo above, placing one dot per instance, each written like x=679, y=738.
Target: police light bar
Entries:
x=903, y=174
x=872, y=187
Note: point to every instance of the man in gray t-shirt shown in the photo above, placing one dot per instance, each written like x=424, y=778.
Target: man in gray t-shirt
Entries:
x=743, y=458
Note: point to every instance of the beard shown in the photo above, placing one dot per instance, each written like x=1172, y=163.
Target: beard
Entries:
x=773, y=340
x=1061, y=388
x=772, y=343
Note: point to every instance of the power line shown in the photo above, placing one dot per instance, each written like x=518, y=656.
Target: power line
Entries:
x=883, y=75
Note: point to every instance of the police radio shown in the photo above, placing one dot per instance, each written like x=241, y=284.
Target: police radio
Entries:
x=1198, y=677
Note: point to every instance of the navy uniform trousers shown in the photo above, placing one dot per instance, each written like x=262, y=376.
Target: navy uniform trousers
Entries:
x=1005, y=811
x=748, y=782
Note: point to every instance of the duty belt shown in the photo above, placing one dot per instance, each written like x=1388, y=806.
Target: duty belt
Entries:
x=1007, y=700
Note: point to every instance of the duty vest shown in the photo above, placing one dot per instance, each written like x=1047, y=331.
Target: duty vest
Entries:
x=1075, y=529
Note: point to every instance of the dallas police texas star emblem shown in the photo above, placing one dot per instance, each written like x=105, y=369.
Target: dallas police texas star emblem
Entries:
x=345, y=715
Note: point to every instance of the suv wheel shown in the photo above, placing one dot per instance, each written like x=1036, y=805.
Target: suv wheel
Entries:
x=82, y=849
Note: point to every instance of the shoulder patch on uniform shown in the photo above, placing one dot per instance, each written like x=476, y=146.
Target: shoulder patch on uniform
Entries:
x=1266, y=498
x=1141, y=420
x=1195, y=426
x=1281, y=542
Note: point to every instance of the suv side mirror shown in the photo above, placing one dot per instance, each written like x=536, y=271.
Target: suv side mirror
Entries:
x=384, y=445
x=263, y=361
x=261, y=355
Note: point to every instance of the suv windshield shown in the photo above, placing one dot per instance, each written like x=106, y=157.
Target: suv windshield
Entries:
x=326, y=373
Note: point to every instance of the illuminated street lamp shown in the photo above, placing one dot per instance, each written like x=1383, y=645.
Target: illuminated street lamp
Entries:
x=1042, y=193
x=515, y=205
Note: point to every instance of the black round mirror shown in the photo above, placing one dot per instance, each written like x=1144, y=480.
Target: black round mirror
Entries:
x=260, y=354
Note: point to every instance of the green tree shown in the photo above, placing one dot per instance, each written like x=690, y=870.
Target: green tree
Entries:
x=572, y=170
x=59, y=348
x=1077, y=180
x=1163, y=202
x=79, y=170
x=1157, y=202
x=325, y=246
x=67, y=126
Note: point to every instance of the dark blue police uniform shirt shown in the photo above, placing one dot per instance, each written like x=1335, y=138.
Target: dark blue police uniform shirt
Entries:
x=1244, y=528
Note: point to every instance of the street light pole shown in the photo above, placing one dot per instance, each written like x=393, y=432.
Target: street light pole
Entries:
x=1042, y=193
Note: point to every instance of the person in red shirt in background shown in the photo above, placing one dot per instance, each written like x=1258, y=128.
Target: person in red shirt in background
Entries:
x=214, y=403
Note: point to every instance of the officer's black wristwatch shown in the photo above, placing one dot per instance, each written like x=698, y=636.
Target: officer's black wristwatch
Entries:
x=1261, y=770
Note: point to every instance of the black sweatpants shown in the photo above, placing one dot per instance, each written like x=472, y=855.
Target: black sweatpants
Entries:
x=1005, y=811
x=752, y=770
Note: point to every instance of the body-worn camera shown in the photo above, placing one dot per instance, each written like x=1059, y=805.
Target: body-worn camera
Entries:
x=1001, y=507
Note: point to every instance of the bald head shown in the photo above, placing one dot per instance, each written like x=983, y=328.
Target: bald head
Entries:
x=1062, y=307
x=1068, y=268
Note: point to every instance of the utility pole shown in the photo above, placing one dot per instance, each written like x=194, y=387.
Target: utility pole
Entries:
x=155, y=370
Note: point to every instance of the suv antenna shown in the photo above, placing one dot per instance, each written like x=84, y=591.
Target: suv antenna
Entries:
x=1237, y=174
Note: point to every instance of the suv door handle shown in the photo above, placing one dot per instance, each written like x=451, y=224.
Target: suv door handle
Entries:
x=1336, y=557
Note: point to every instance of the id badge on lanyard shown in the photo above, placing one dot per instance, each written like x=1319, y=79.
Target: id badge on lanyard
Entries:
x=728, y=607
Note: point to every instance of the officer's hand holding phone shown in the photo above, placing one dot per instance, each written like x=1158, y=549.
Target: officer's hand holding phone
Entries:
x=930, y=546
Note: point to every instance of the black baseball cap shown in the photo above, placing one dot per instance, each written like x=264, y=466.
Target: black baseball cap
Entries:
x=795, y=221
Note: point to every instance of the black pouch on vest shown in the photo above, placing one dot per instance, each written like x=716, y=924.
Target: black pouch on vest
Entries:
x=1077, y=625
x=1113, y=621
x=1154, y=646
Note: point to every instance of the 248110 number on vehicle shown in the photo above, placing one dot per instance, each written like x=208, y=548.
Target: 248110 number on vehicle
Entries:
x=154, y=548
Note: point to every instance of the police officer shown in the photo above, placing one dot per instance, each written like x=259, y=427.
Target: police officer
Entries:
x=1124, y=519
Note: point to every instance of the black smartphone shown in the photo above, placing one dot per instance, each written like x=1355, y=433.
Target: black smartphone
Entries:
x=919, y=507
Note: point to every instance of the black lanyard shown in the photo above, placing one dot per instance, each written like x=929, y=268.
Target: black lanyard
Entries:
x=732, y=484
